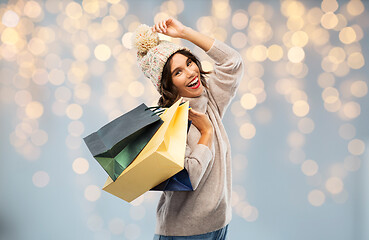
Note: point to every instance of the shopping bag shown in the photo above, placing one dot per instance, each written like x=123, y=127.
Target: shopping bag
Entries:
x=162, y=157
x=116, y=144
x=179, y=182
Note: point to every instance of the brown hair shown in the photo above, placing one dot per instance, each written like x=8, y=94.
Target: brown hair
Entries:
x=169, y=92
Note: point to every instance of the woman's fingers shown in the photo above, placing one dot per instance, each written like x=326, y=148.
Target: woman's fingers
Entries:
x=161, y=27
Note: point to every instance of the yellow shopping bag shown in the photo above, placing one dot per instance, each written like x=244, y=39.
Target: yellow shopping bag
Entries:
x=162, y=157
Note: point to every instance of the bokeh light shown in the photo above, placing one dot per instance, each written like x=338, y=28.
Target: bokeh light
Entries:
x=68, y=68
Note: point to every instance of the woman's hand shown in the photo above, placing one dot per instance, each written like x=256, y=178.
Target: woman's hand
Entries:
x=203, y=124
x=170, y=27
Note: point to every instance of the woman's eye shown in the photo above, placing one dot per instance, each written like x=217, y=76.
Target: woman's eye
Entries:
x=177, y=73
x=189, y=63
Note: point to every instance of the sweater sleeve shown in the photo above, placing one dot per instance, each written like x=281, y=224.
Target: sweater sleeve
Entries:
x=196, y=162
x=227, y=74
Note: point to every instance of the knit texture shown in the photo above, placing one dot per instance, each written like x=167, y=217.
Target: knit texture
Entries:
x=152, y=53
x=208, y=207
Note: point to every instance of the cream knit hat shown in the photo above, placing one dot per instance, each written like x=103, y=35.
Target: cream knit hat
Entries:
x=152, y=53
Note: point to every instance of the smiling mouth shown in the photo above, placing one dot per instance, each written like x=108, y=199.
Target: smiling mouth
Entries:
x=195, y=83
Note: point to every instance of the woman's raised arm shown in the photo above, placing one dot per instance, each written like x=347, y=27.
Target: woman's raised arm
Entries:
x=174, y=28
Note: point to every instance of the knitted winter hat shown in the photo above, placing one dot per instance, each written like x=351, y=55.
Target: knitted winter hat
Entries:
x=152, y=53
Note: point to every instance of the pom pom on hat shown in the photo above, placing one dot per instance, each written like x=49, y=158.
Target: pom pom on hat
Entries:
x=152, y=53
x=144, y=39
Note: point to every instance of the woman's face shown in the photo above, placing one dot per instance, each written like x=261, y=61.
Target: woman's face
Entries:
x=186, y=76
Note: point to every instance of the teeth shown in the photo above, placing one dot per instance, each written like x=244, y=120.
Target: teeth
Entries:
x=193, y=82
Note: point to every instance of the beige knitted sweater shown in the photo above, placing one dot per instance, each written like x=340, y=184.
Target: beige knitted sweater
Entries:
x=208, y=207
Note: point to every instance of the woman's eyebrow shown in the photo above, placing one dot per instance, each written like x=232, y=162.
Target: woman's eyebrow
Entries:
x=177, y=68
x=188, y=59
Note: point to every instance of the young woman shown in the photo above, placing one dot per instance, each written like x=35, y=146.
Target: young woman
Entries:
x=206, y=212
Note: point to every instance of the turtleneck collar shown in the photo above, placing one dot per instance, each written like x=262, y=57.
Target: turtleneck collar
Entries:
x=199, y=103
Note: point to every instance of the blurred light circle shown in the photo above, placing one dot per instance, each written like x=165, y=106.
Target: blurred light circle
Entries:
x=329, y=20
x=10, y=19
x=296, y=54
x=37, y=46
x=127, y=40
x=239, y=40
x=207, y=66
x=56, y=77
x=132, y=231
x=337, y=55
x=80, y=165
x=320, y=36
x=32, y=9
x=136, y=89
x=40, y=76
x=316, y=198
x=82, y=91
x=40, y=179
x=342, y=70
x=275, y=52
x=356, y=60
x=299, y=38
x=306, y=125
x=296, y=155
x=351, y=110
x=118, y=11
x=240, y=19
x=295, y=23
x=342, y=22
x=74, y=111
x=330, y=95
x=356, y=147
x=333, y=107
x=63, y=94
x=92, y=193
x=74, y=10
x=10, y=36
x=39, y=137
x=116, y=226
x=259, y=53
x=334, y=185
x=326, y=79
x=95, y=223
x=34, y=110
x=355, y=7
x=314, y=15
x=22, y=98
x=263, y=115
x=110, y=24
x=138, y=201
x=328, y=64
x=81, y=52
x=250, y=213
x=359, y=31
x=359, y=89
x=329, y=5
x=247, y=130
x=76, y=128
x=205, y=24
x=295, y=139
x=300, y=108
x=352, y=163
x=116, y=89
x=248, y=101
x=102, y=52
x=347, y=35
x=73, y=142
x=347, y=131
x=309, y=167
x=137, y=212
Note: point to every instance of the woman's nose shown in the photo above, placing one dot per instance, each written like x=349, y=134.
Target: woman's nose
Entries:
x=189, y=72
